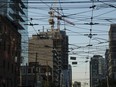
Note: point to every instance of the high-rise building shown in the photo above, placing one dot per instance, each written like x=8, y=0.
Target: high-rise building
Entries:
x=107, y=62
x=70, y=75
x=112, y=52
x=10, y=46
x=97, y=67
x=51, y=48
x=14, y=17
x=24, y=31
x=16, y=11
x=66, y=77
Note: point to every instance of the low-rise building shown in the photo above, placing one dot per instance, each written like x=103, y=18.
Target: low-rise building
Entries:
x=35, y=74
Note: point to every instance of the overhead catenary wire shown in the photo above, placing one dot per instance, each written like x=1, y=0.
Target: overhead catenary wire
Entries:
x=41, y=1
x=81, y=17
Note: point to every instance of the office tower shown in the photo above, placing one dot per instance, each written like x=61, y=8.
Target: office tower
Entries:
x=112, y=53
x=97, y=67
x=66, y=77
x=107, y=62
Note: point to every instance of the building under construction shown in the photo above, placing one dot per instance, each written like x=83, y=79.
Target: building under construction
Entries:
x=50, y=48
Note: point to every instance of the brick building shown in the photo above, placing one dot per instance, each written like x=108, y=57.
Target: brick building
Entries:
x=10, y=41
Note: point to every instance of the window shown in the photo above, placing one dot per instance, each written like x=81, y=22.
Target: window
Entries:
x=33, y=69
x=114, y=62
x=29, y=70
x=113, y=36
x=8, y=64
x=114, y=75
x=4, y=63
x=12, y=68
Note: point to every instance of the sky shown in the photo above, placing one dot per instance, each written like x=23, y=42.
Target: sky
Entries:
x=89, y=19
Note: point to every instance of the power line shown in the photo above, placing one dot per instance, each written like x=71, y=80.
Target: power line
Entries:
x=50, y=2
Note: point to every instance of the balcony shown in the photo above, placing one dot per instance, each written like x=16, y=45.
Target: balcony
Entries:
x=22, y=3
x=16, y=7
x=18, y=17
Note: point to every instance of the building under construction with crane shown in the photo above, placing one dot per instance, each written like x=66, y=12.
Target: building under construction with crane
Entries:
x=50, y=48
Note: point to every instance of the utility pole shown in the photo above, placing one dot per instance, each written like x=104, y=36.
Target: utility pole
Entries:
x=35, y=79
x=26, y=74
x=47, y=73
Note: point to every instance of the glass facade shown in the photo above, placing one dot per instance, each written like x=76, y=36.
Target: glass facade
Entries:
x=97, y=70
x=24, y=34
x=17, y=11
x=3, y=6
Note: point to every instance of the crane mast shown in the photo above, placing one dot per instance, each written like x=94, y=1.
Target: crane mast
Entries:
x=51, y=20
x=55, y=13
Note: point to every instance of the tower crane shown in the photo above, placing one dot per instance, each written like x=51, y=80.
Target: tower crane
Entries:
x=58, y=16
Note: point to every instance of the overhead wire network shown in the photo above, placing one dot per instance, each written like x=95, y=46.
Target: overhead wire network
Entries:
x=89, y=18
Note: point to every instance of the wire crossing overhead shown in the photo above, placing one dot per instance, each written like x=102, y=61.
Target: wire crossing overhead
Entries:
x=49, y=1
x=52, y=2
